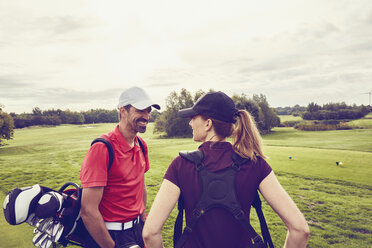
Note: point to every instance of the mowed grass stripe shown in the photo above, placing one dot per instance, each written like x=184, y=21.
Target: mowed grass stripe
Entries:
x=321, y=163
x=355, y=140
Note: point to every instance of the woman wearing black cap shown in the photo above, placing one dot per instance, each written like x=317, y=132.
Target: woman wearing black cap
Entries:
x=212, y=120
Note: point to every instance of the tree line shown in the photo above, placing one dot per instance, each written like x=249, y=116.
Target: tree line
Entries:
x=296, y=110
x=173, y=126
x=335, y=111
x=329, y=111
x=57, y=117
x=166, y=121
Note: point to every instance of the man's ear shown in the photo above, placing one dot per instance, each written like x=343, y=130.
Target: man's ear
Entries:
x=122, y=112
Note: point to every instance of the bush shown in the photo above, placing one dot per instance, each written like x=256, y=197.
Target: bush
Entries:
x=6, y=126
x=290, y=123
x=322, y=127
x=332, y=111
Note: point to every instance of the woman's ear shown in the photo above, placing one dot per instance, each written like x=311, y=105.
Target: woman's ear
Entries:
x=208, y=124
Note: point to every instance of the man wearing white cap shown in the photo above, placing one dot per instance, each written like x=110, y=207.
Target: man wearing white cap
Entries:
x=113, y=201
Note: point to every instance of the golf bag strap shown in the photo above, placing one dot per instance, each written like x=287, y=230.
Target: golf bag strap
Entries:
x=264, y=228
x=111, y=150
x=141, y=145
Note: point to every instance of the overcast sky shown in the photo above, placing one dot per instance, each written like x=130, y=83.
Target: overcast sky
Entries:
x=78, y=55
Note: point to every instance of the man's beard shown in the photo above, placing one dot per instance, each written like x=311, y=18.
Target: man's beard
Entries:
x=140, y=128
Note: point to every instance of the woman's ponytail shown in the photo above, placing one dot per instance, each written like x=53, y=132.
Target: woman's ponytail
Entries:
x=247, y=140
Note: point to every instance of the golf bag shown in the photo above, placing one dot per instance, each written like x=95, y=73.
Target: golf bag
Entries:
x=55, y=214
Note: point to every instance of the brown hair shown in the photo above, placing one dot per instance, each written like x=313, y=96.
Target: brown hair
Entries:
x=246, y=137
x=126, y=107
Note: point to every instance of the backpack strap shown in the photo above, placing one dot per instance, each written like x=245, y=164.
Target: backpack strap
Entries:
x=257, y=204
x=264, y=229
x=195, y=157
x=179, y=221
x=179, y=238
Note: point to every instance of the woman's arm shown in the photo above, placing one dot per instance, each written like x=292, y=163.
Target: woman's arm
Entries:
x=162, y=206
x=92, y=218
x=283, y=205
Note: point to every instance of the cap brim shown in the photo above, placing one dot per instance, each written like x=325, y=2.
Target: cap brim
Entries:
x=145, y=104
x=188, y=112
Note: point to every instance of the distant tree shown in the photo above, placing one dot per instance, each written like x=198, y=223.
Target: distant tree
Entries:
x=70, y=117
x=6, y=126
x=22, y=120
x=334, y=111
x=100, y=116
x=169, y=122
x=53, y=120
x=295, y=110
x=154, y=115
x=269, y=118
x=313, y=107
x=37, y=112
x=90, y=116
x=199, y=93
x=365, y=109
x=243, y=102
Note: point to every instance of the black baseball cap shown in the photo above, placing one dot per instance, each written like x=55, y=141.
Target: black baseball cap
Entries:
x=215, y=105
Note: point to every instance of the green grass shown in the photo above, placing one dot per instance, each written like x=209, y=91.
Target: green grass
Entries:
x=336, y=201
x=354, y=140
x=284, y=118
x=365, y=122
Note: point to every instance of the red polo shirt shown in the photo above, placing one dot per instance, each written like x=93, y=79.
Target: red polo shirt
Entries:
x=122, y=198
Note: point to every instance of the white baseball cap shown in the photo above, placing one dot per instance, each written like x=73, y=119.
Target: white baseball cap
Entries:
x=136, y=97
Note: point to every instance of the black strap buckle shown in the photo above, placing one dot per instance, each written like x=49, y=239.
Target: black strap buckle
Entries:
x=199, y=166
x=197, y=213
x=238, y=214
x=188, y=229
x=235, y=167
x=257, y=239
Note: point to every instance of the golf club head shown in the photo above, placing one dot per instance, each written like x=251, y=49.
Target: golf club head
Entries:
x=44, y=224
x=55, y=231
x=32, y=220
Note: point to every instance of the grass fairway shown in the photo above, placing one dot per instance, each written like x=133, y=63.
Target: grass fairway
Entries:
x=336, y=200
x=284, y=118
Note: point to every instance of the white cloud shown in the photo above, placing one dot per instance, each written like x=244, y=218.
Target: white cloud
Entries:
x=294, y=51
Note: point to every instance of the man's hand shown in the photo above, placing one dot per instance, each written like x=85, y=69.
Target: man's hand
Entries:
x=92, y=218
x=143, y=216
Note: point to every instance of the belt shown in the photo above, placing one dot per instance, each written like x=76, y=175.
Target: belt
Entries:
x=118, y=226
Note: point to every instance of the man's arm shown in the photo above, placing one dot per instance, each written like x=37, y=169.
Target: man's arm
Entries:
x=92, y=218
